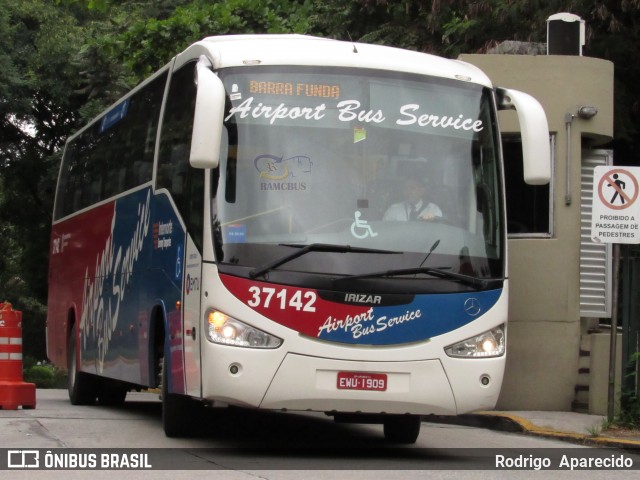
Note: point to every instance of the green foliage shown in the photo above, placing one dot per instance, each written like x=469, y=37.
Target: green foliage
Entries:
x=45, y=376
x=128, y=40
x=630, y=399
x=150, y=42
x=37, y=109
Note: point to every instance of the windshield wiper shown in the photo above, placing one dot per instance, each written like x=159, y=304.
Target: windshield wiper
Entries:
x=314, y=247
x=436, y=272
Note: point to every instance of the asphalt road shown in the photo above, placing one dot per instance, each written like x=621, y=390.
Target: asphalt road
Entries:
x=270, y=445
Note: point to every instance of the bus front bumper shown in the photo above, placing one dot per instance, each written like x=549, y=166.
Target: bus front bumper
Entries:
x=311, y=383
x=299, y=382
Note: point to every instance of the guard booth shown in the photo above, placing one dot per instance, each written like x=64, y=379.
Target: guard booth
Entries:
x=560, y=281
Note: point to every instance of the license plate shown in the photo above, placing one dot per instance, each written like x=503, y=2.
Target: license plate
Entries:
x=362, y=381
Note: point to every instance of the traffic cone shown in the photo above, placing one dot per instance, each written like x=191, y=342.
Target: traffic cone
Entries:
x=13, y=391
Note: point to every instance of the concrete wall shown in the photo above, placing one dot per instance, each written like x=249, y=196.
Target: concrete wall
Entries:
x=544, y=324
x=599, y=378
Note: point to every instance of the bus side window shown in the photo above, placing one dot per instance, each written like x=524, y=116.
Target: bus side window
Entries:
x=98, y=163
x=184, y=183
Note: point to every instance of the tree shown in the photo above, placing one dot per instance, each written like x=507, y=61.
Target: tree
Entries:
x=38, y=108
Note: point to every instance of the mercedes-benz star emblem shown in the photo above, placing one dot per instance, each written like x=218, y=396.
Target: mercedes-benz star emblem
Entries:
x=472, y=306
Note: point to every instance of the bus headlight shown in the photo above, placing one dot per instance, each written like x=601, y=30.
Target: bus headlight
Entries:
x=486, y=345
x=226, y=330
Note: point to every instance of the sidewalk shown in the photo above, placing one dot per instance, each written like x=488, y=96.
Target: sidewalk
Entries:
x=572, y=427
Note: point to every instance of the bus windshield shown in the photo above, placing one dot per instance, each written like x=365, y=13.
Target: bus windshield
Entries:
x=383, y=162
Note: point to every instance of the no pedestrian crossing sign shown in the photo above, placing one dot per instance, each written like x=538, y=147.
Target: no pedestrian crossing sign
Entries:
x=615, y=216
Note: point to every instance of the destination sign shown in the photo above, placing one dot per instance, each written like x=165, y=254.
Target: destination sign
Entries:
x=294, y=89
x=296, y=97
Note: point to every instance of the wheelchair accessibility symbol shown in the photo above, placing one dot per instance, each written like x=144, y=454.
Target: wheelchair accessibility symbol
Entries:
x=360, y=228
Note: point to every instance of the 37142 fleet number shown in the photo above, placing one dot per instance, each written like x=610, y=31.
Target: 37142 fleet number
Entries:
x=267, y=297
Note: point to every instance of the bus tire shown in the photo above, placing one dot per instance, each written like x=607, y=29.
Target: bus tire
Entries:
x=82, y=387
x=174, y=415
x=402, y=429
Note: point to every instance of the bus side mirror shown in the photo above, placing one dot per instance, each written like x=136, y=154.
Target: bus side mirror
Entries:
x=208, y=117
x=534, y=129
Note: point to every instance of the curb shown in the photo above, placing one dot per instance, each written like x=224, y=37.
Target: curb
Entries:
x=505, y=422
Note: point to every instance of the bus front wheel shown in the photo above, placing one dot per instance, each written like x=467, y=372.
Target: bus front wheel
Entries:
x=176, y=419
x=402, y=429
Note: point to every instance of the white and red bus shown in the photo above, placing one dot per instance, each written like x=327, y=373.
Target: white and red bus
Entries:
x=237, y=231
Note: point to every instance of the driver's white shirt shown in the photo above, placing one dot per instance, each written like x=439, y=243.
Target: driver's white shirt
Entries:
x=401, y=211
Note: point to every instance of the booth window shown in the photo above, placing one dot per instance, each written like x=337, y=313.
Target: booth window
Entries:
x=529, y=207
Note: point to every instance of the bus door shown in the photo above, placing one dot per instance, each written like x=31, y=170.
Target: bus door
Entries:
x=185, y=185
x=191, y=315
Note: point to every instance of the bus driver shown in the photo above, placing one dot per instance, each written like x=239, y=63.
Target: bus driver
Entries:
x=414, y=206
